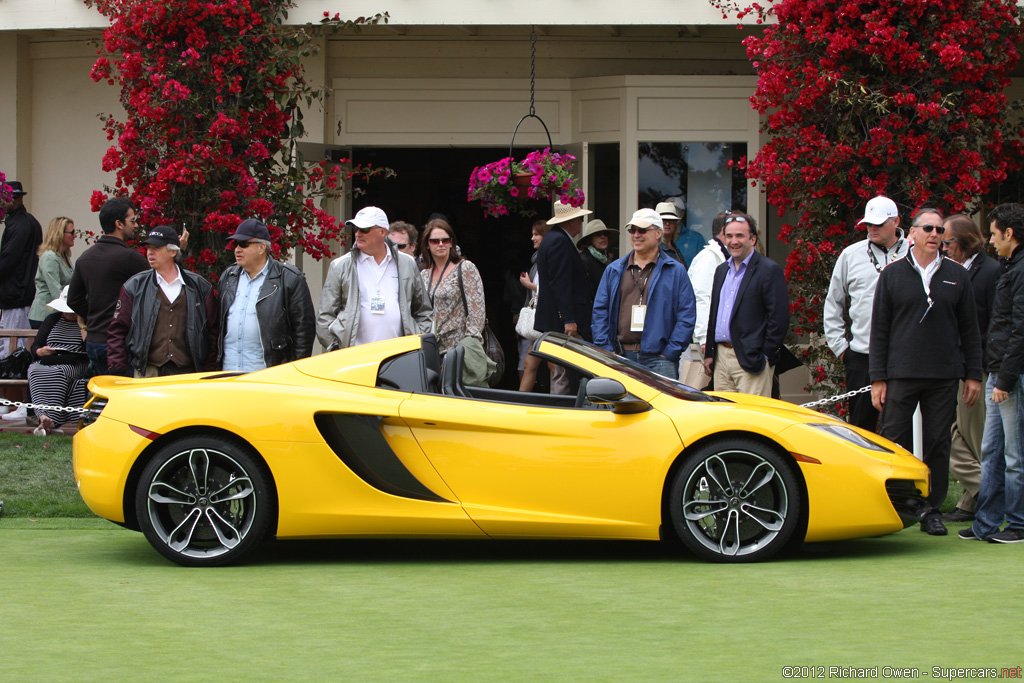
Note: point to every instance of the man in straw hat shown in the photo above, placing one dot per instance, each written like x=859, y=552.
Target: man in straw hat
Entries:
x=644, y=308
x=563, y=296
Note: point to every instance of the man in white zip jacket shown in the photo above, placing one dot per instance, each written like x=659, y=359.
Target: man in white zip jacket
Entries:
x=373, y=292
x=850, y=296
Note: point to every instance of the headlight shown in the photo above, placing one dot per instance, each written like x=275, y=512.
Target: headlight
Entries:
x=847, y=434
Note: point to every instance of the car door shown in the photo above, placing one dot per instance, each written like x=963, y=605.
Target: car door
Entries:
x=532, y=470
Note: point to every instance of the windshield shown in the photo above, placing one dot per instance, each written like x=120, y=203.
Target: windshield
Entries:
x=638, y=372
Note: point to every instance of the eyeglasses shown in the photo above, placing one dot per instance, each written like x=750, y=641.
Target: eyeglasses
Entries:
x=632, y=230
x=928, y=228
x=402, y=245
x=948, y=242
x=244, y=244
x=366, y=230
x=440, y=240
x=69, y=232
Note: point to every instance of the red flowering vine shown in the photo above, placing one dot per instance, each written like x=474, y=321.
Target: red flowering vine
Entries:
x=212, y=92
x=896, y=97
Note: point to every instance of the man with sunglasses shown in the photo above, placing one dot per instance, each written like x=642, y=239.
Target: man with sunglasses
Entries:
x=373, y=292
x=266, y=311
x=749, y=314
x=924, y=340
x=404, y=236
x=644, y=308
x=850, y=295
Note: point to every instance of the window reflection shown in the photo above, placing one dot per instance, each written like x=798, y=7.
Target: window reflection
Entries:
x=698, y=174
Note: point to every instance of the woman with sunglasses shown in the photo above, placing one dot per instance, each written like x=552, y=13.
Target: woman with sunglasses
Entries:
x=453, y=285
x=54, y=270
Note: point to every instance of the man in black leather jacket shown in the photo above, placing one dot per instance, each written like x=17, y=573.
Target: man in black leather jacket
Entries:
x=266, y=312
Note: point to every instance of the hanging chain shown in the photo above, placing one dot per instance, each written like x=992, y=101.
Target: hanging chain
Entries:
x=836, y=399
x=533, y=66
x=38, y=406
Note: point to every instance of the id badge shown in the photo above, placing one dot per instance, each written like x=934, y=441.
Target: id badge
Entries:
x=377, y=305
x=636, y=320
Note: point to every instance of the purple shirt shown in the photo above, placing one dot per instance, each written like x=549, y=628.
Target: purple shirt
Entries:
x=727, y=298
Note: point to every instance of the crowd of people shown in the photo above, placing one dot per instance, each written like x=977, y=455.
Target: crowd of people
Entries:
x=923, y=317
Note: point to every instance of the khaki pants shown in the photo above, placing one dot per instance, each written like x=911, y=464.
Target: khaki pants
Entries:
x=730, y=376
x=965, y=451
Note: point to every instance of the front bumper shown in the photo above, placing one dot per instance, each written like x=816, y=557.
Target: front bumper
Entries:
x=907, y=500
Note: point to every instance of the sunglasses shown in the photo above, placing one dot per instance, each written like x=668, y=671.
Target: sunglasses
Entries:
x=365, y=230
x=243, y=245
x=735, y=219
x=401, y=245
x=948, y=242
x=928, y=228
x=632, y=230
x=440, y=240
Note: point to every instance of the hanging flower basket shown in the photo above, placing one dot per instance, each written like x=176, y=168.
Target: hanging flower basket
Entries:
x=506, y=186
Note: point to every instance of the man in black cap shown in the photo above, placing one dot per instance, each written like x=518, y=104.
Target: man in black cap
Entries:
x=266, y=311
x=165, y=320
x=18, y=260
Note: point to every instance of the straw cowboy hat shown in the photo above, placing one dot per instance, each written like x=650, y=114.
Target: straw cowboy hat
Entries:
x=566, y=212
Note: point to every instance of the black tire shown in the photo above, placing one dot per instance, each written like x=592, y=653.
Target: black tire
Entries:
x=203, y=501
x=735, y=500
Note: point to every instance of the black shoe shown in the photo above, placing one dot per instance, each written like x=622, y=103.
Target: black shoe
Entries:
x=1007, y=536
x=933, y=526
x=967, y=534
x=958, y=515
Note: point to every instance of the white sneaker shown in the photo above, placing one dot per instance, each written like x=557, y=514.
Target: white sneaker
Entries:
x=4, y=409
x=20, y=414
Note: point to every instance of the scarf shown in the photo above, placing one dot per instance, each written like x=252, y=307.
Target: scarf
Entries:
x=599, y=255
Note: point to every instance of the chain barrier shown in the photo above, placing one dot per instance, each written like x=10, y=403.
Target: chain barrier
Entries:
x=835, y=399
x=38, y=406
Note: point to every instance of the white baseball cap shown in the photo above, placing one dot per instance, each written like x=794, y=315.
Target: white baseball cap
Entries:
x=369, y=217
x=646, y=218
x=879, y=210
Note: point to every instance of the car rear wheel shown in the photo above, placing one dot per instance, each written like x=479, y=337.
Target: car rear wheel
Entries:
x=735, y=500
x=204, y=501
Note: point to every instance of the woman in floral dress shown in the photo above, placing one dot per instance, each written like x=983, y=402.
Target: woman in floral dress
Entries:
x=459, y=309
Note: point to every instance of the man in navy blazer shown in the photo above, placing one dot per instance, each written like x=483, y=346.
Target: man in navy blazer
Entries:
x=749, y=314
x=564, y=297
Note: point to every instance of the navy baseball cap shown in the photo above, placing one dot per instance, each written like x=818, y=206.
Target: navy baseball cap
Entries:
x=251, y=229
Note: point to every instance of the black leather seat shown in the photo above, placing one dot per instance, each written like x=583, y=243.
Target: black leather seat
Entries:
x=451, y=372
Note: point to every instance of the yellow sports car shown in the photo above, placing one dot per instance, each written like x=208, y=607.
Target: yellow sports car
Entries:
x=383, y=440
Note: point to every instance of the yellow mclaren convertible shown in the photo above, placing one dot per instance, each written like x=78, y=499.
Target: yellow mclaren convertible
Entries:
x=384, y=440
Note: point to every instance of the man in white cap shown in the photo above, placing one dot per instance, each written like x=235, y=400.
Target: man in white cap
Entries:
x=373, y=292
x=563, y=295
x=850, y=296
x=644, y=308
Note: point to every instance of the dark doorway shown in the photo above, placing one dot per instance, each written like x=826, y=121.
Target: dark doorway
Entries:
x=436, y=180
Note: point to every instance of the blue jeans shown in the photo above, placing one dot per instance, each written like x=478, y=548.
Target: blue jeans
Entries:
x=1001, y=493
x=97, y=353
x=654, y=362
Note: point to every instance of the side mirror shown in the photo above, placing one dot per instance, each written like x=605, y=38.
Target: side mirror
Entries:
x=607, y=391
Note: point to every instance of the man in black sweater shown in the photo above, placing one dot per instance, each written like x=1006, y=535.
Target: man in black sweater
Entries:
x=924, y=340
x=1001, y=493
x=100, y=273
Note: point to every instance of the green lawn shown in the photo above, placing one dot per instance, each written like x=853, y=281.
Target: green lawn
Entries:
x=81, y=599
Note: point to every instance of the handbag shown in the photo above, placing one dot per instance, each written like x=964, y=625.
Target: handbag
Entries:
x=527, y=315
x=492, y=347
x=15, y=366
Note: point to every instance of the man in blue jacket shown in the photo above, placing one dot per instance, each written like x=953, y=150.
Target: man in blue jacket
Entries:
x=644, y=308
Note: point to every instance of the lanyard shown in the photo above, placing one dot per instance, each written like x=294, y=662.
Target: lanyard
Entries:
x=641, y=285
x=874, y=261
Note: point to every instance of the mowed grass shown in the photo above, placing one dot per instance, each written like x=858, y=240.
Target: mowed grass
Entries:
x=82, y=599
x=36, y=478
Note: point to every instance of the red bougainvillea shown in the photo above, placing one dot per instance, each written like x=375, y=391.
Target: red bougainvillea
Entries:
x=213, y=94
x=896, y=97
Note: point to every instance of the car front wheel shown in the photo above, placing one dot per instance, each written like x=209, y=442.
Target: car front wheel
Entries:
x=204, y=501
x=735, y=501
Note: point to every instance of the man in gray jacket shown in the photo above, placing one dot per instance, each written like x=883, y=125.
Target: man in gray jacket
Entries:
x=850, y=296
x=372, y=293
